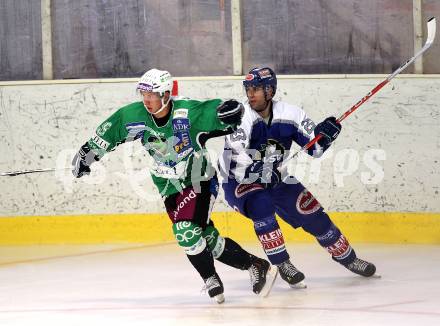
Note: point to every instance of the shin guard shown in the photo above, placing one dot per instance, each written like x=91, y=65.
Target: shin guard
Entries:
x=270, y=236
x=337, y=245
x=189, y=237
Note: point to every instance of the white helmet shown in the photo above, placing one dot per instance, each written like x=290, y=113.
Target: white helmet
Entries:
x=159, y=81
x=155, y=80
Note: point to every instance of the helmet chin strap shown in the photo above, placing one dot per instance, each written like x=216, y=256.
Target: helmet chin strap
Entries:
x=164, y=105
x=266, y=96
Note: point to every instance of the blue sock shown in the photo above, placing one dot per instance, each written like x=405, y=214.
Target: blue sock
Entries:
x=271, y=238
x=337, y=245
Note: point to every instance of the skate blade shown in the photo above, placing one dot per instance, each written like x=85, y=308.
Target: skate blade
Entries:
x=271, y=276
x=219, y=298
x=376, y=276
x=299, y=285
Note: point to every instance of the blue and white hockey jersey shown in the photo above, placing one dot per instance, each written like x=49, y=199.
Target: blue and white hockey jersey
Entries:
x=255, y=139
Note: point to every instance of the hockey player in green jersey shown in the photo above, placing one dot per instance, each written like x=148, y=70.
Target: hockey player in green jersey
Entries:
x=174, y=132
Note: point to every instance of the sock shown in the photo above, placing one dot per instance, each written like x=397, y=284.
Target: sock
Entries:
x=234, y=255
x=203, y=263
x=337, y=245
x=272, y=240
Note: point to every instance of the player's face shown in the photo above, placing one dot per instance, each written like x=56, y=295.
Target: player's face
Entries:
x=257, y=100
x=152, y=101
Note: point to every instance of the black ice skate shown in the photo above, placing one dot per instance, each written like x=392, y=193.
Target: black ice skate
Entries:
x=361, y=267
x=262, y=275
x=291, y=275
x=214, y=286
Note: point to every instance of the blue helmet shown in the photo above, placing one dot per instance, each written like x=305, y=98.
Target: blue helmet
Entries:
x=261, y=77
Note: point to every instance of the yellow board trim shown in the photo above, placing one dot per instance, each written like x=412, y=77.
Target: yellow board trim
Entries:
x=371, y=227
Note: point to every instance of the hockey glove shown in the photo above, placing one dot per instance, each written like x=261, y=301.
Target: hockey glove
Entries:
x=329, y=129
x=230, y=112
x=204, y=137
x=268, y=174
x=82, y=161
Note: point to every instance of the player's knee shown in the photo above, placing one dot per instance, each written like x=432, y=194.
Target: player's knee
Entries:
x=189, y=237
x=328, y=236
x=265, y=224
x=215, y=241
x=318, y=224
x=259, y=205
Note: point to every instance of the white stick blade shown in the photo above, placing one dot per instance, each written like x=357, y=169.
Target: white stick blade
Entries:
x=431, y=30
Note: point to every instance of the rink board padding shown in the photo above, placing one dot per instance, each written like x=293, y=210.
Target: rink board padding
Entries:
x=368, y=227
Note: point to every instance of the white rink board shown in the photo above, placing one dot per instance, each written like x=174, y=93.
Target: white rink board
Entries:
x=42, y=125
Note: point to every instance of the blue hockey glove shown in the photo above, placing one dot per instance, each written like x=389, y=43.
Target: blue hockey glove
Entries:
x=268, y=174
x=82, y=161
x=230, y=112
x=329, y=129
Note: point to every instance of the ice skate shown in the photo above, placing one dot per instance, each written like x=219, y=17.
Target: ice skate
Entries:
x=262, y=276
x=214, y=286
x=362, y=268
x=291, y=275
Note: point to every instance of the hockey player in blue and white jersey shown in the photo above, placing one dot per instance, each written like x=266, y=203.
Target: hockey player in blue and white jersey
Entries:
x=257, y=189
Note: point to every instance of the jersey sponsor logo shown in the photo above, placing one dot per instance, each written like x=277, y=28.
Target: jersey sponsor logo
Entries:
x=184, y=202
x=184, y=153
x=101, y=142
x=273, y=242
x=244, y=189
x=188, y=235
x=180, y=124
x=306, y=203
x=180, y=113
x=102, y=129
x=182, y=143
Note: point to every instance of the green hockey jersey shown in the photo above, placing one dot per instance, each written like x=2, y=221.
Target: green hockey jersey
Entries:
x=179, y=159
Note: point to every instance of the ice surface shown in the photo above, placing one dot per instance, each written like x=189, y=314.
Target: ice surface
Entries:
x=156, y=285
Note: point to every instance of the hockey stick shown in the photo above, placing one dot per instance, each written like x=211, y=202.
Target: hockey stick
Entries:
x=13, y=174
x=431, y=26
